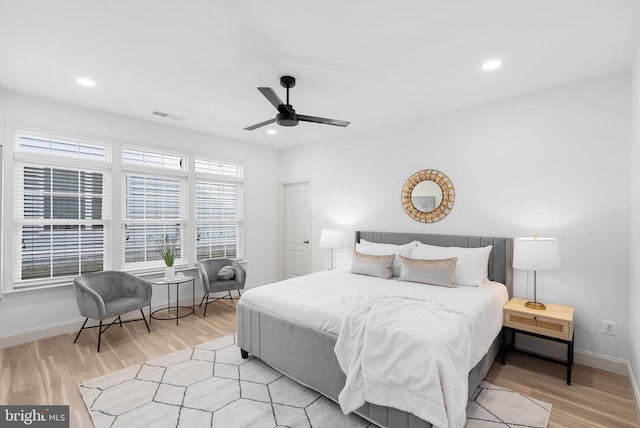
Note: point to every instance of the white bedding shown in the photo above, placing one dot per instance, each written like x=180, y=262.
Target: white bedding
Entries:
x=406, y=354
x=322, y=299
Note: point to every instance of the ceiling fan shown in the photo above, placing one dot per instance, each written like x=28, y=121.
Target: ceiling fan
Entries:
x=287, y=116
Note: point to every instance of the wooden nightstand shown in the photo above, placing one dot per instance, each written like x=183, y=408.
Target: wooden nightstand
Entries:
x=554, y=323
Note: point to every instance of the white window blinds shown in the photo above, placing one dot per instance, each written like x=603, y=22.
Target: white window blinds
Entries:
x=154, y=209
x=60, y=209
x=218, y=210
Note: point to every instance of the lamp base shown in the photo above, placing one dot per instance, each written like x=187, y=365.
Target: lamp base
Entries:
x=535, y=305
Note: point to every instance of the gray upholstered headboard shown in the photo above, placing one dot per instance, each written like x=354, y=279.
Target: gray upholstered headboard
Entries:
x=500, y=260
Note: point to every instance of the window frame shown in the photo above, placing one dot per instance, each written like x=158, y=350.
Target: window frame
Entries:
x=157, y=172
x=238, y=180
x=114, y=218
x=20, y=159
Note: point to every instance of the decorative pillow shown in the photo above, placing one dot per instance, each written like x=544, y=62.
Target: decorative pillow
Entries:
x=472, y=265
x=365, y=264
x=434, y=272
x=375, y=249
x=226, y=272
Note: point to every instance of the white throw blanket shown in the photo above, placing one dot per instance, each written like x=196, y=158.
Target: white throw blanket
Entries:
x=408, y=354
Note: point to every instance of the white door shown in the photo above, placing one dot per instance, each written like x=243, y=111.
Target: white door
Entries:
x=297, y=225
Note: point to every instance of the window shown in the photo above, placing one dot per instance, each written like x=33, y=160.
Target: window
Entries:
x=230, y=169
x=218, y=209
x=158, y=160
x=59, y=147
x=61, y=200
x=60, y=208
x=154, y=208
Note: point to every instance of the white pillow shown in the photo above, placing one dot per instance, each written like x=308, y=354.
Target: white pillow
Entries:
x=374, y=249
x=471, y=268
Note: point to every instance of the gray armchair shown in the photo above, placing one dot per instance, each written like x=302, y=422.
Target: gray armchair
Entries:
x=108, y=294
x=209, y=269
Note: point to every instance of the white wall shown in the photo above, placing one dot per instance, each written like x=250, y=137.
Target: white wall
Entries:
x=36, y=310
x=634, y=235
x=553, y=163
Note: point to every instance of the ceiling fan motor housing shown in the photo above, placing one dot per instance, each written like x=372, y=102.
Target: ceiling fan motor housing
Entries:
x=287, y=118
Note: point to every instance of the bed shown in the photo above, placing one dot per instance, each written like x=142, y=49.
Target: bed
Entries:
x=300, y=343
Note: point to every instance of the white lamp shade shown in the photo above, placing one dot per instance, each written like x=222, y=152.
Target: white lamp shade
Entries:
x=331, y=238
x=536, y=254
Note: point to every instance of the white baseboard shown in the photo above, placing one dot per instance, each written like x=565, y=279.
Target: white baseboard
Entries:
x=634, y=386
x=24, y=336
x=586, y=358
x=29, y=335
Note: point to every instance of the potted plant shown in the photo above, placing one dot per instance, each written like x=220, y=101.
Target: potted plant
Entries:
x=168, y=251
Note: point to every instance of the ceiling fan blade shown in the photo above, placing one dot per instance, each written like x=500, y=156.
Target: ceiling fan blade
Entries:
x=274, y=99
x=315, y=119
x=271, y=95
x=258, y=125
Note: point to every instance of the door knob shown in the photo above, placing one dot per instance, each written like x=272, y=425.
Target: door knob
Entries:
x=305, y=242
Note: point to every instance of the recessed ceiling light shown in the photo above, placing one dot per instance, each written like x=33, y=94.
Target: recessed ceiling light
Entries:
x=492, y=64
x=272, y=131
x=85, y=81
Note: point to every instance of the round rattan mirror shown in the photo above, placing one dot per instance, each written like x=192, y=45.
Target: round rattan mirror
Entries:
x=428, y=196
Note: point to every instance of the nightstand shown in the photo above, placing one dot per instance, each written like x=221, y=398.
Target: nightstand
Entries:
x=554, y=323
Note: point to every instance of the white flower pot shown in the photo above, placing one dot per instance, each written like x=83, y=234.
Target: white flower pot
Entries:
x=169, y=272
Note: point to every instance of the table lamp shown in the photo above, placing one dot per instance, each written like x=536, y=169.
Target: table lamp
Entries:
x=536, y=254
x=331, y=239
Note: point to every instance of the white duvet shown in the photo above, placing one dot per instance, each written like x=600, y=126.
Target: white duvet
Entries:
x=322, y=299
x=407, y=354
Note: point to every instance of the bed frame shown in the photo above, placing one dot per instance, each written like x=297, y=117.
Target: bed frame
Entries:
x=306, y=355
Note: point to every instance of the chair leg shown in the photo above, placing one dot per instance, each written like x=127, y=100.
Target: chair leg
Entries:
x=145, y=321
x=99, y=335
x=239, y=294
x=230, y=296
x=205, y=305
x=120, y=320
x=203, y=297
x=81, y=328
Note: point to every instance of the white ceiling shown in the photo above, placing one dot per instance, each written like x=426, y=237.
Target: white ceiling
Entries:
x=373, y=63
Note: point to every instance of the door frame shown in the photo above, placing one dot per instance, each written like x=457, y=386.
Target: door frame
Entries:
x=281, y=208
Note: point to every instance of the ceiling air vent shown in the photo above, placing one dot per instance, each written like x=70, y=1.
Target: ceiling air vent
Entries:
x=168, y=116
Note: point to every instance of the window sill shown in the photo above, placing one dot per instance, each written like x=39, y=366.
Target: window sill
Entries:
x=36, y=288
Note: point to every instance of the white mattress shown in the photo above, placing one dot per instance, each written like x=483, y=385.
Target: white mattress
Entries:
x=321, y=300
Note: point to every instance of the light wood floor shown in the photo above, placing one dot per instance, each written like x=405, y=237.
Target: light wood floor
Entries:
x=47, y=371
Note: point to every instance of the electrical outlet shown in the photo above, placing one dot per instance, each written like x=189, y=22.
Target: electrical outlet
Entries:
x=609, y=327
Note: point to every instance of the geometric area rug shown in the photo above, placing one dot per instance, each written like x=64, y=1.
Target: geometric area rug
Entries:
x=210, y=385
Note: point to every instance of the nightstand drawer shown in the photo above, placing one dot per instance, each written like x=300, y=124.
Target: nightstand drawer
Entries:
x=538, y=324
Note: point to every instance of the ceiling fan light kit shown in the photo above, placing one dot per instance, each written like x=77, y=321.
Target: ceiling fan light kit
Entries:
x=287, y=115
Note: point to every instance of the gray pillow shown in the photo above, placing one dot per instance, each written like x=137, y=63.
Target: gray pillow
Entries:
x=434, y=272
x=226, y=272
x=380, y=266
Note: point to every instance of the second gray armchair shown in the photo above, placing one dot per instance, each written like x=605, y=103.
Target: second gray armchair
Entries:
x=209, y=269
